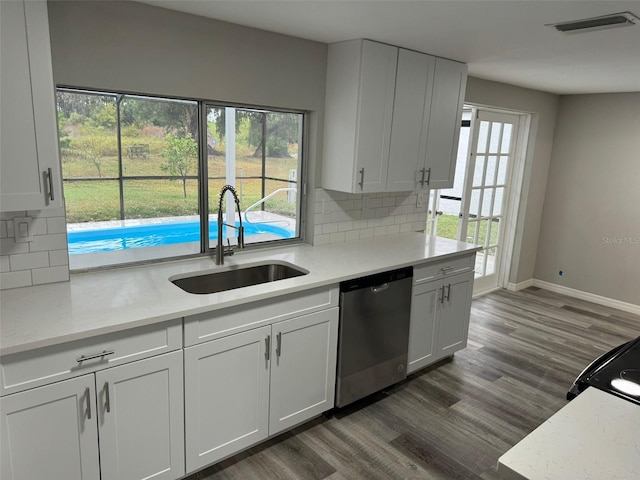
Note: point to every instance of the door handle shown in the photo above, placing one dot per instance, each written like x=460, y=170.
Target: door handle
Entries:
x=442, y=296
x=49, y=175
x=423, y=171
x=428, y=176
x=267, y=348
x=448, y=292
x=361, y=183
x=87, y=394
x=107, y=401
x=279, y=344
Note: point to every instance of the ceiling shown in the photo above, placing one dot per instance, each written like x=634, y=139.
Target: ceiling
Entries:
x=500, y=40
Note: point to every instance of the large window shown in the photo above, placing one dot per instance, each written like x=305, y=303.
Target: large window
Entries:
x=133, y=169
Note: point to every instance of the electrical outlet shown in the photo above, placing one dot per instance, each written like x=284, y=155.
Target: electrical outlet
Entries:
x=420, y=200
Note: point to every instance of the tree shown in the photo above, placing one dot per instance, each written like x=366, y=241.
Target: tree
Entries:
x=94, y=145
x=181, y=155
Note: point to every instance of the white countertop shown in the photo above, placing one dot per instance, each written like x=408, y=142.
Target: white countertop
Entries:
x=596, y=436
x=111, y=300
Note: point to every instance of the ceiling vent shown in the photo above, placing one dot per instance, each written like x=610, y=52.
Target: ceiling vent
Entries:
x=623, y=19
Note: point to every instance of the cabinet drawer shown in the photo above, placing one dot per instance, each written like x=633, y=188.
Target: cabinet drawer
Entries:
x=25, y=370
x=434, y=270
x=221, y=323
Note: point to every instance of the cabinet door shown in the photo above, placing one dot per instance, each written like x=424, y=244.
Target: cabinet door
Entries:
x=444, y=122
x=414, y=86
x=375, y=114
x=141, y=419
x=425, y=306
x=453, y=325
x=50, y=432
x=28, y=131
x=226, y=396
x=303, y=368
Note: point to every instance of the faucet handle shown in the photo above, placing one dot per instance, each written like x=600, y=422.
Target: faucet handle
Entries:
x=228, y=250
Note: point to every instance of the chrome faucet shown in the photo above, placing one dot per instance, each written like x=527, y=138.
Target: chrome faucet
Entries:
x=222, y=251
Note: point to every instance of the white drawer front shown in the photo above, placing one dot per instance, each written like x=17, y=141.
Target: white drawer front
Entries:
x=430, y=271
x=220, y=323
x=34, y=368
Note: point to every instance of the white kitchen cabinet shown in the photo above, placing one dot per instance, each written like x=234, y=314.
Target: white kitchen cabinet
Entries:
x=440, y=311
x=392, y=118
x=50, y=432
x=361, y=77
x=29, y=161
x=445, y=120
x=124, y=421
x=141, y=419
x=226, y=396
x=411, y=110
x=243, y=388
x=303, y=369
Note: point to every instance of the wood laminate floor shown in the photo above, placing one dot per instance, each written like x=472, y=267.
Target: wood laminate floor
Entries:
x=454, y=419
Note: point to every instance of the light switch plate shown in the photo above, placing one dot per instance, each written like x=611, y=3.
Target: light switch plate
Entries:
x=22, y=230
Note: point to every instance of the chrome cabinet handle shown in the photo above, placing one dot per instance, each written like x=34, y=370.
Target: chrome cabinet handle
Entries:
x=49, y=175
x=279, y=344
x=87, y=394
x=448, y=292
x=107, y=402
x=104, y=353
x=447, y=269
x=361, y=183
x=422, y=179
x=267, y=348
x=442, y=297
x=428, y=181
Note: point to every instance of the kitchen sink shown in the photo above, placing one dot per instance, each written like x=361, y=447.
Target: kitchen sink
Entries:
x=237, y=277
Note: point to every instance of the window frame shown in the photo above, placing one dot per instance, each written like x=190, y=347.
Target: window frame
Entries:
x=202, y=177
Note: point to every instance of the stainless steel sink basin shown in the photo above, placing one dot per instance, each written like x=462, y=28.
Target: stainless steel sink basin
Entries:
x=238, y=277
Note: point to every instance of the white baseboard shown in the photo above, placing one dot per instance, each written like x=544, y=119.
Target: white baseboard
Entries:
x=515, y=287
x=589, y=297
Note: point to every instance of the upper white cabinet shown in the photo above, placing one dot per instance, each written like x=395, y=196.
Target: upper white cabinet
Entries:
x=449, y=87
x=29, y=162
x=381, y=104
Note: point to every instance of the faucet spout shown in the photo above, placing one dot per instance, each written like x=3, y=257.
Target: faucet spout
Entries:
x=221, y=251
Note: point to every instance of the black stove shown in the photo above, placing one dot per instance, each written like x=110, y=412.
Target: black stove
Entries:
x=616, y=372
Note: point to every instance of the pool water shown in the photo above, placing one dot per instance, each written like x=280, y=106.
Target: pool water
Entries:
x=151, y=235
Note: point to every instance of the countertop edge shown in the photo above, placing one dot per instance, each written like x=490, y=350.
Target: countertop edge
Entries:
x=14, y=305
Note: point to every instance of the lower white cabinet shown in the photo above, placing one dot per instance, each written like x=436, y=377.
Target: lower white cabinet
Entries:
x=50, y=432
x=243, y=388
x=136, y=410
x=141, y=419
x=440, y=312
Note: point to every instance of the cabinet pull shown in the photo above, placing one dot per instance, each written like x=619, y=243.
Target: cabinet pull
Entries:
x=49, y=175
x=428, y=176
x=279, y=344
x=104, y=353
x=447, y=269
x=448, y=292
x=361, y=183
x=422, y=179
x=442, y=297
x=267, y=347
x=107, y=399
x=87, y=394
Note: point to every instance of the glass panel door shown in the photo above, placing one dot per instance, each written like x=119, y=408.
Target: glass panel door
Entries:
x=486, y=188
x=474, y=210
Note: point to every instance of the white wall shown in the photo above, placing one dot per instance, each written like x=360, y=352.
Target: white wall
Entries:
x=543, y=107
x=591, y=220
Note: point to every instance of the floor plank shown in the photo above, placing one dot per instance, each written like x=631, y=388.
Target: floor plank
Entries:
x=452, y=420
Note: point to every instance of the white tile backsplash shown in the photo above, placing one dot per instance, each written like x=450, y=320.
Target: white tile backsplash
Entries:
x=43, y=259
x=343, y=217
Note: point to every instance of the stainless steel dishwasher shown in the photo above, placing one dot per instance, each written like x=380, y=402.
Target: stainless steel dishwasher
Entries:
x=373, y=336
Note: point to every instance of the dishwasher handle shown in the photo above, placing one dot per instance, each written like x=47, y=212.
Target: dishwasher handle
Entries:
x=380, y=288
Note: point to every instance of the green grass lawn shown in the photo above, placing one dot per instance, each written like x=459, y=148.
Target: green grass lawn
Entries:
x=448, y=228
x=92, y=201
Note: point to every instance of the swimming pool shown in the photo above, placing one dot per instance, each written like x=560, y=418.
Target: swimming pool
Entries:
x=151, y=235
